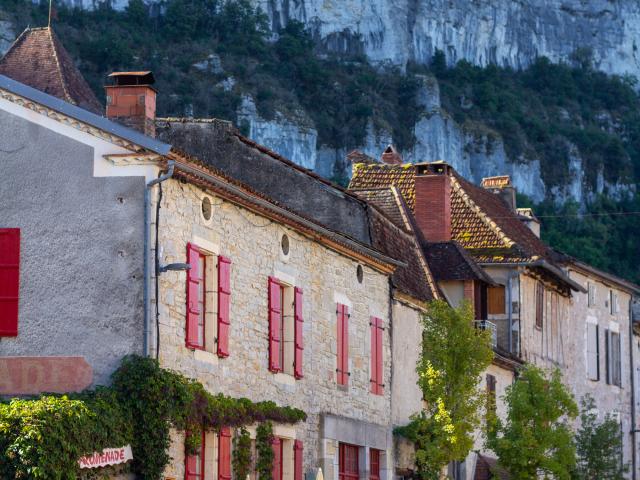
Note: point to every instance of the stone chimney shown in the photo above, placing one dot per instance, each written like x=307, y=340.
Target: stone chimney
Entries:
x=131, y=100
x=502, y=187
x=391, y=156
x=530, y=220
x=433, y=201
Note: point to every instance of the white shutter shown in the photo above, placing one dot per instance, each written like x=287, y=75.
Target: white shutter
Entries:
x=592, y=295
x=593, y=372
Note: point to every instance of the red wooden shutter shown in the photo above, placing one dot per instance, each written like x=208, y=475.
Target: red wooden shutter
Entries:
x=193, y=305
x=274, y=325
x=343, y=344
x=298, y=328
x=224, y=454
x=276, y=445
x=377, y=371
x=298, y=471
x=224, y=300
x=9, y=281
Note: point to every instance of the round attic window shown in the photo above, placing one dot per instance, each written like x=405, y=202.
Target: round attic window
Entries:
x=206, y=208
x=359, y=274
x=284, y=243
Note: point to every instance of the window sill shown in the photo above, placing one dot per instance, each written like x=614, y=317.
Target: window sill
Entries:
x=205, y=357
x=285, y=378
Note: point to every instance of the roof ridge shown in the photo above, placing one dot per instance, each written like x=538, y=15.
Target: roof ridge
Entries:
x=63, y=80
x=486, y=219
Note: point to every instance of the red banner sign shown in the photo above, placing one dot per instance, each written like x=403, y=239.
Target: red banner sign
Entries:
x=108, y=456
x=33, y=375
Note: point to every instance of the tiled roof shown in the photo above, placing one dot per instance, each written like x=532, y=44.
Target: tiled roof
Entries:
x=38, y=59
x=480, y=220
x=449, y=261
x=384, y=199
x=382, y=175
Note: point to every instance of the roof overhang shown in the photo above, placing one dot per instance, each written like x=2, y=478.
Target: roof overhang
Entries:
x=544, y=265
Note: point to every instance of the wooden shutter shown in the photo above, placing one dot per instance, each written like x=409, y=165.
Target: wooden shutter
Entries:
x=275, y=310
x=496, y=300
x=342, y=312
x=539, y=304
x=298, y=457
x=224, y=454
x=193, y=304
x=276, y=445
x=9, y=281
x=298, y=333
x=607, y=345
x=377, y=372
x=374, y=464
x=593, y=352
x=224, y=301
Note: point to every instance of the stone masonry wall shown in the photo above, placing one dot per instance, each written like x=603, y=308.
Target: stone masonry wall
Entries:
x=253, y=244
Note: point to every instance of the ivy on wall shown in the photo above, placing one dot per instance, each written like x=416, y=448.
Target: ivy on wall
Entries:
x=264, y=450
x=241, y=454
x=43, y=438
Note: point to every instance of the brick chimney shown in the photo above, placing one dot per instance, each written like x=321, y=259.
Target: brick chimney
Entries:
x=433, y=201
x=502, y=187
x=391, y=156
x=131, y=100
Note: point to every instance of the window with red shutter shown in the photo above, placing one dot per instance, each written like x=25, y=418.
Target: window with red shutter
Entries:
x=298, y=460
x=343, y=344
x=377, y=371
x=348, y=468
x=224, y=301
x=224, y=454
x=275, y=320
x=298, y=333
x=276, y=445
x=374, y=464
x=196, y=297
x=194, y=464
x=9, y=281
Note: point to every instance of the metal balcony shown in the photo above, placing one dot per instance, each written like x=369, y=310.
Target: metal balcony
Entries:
x=487, y=325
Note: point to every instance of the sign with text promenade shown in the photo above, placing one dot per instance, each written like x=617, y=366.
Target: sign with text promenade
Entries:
x=33, y=375
x=108, y=456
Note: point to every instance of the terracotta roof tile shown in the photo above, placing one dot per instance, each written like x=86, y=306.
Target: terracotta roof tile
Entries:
x=38, y=59
x=481, y=221
x=449, y=261
x=385, y=200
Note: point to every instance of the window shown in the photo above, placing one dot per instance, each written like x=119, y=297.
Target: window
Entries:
x=206, y=293
x=491, y=394
x=613, y=302
x=614, y=365
x=591, y=295
x=194, y=464
x=377, y=366
x=374, y=464
x=9, y=281
x=496, y=300
x=539, y=304
x=286, y=326
x=342, y=368
x=348, y=462
x=593, y=352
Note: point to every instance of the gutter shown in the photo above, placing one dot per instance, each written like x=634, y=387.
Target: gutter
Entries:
x=147, y=252
x=352, y=244
x=544, y=265
x=633, y=395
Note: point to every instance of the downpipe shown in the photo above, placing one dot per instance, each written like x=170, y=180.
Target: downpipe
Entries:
x=633, y=397
x=147, y=253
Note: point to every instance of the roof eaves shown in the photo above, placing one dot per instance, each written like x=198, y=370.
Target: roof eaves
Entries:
x=627, y=285
x=83, y=115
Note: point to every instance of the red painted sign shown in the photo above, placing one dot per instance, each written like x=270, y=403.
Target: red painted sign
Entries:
x=32, y=375
x=108, y=456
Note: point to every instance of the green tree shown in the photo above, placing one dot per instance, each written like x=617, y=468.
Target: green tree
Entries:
x=535, y=440
x=454, y=354
x=599, y=446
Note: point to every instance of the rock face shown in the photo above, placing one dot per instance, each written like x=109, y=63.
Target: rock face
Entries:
x=502, y=32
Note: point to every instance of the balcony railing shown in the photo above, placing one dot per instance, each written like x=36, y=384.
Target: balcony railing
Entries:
x=487, y=325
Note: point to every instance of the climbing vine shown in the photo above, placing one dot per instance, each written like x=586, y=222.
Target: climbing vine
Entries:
x=43, y=438
x=241, y=460
x=264, y=450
